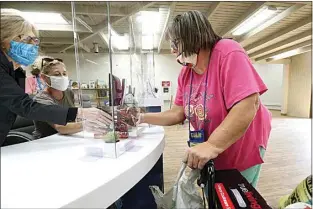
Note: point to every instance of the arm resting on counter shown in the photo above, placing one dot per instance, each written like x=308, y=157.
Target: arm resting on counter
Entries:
x=70, y=128
x=235, y=124
x=170, y=117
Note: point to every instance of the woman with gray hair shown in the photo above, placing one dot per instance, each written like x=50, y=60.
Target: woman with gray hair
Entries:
x=218, y=92
x=19, y=47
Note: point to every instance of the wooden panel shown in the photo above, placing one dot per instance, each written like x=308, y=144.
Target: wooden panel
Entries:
x=190, y=5
x=281, y=38
x=161, y=3
x=227, y=13
x=293, y=18
x=280, y=4
x=285, y=46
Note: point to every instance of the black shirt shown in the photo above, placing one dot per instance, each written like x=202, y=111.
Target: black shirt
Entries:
x=14, y=101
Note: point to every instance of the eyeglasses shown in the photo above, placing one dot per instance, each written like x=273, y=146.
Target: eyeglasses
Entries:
x=47, y=60
x=174, y=44
x=28, y=39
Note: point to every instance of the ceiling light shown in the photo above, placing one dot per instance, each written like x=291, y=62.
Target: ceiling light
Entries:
x=147, y=42
x=285, y=54
x=120, y=42
x=117, y=41
x=45, y=18
x=150, y=22
x=262, y=15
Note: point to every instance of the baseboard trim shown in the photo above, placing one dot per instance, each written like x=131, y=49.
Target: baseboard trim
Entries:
x=273, y=107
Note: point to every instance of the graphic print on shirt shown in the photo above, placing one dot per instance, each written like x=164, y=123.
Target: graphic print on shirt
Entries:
x=197, y=114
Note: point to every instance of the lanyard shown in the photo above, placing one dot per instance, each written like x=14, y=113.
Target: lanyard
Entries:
x=39, y=85
x=204, y=102
x=205, y=93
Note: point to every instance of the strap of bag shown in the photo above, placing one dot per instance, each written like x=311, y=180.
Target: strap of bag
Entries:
x=207, y=176
x=211, y=183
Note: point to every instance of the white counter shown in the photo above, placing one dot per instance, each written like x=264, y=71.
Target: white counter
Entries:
x=54, y=172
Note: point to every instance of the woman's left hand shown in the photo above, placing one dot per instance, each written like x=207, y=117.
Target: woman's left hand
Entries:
x=200, y=154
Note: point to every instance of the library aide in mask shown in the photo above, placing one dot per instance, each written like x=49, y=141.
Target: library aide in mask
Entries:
x=58, y=82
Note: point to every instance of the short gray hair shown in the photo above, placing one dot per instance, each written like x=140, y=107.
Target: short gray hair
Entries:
x=193, y=31
x=14, y=24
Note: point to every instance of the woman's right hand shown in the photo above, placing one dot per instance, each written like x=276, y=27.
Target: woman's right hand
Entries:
x=94, y=120
x=129, y=115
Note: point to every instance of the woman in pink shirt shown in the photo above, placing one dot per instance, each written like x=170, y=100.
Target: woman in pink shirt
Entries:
x=34, y=83
x=218, y=91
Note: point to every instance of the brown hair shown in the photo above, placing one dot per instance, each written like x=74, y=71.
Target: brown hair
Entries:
x=192, y=31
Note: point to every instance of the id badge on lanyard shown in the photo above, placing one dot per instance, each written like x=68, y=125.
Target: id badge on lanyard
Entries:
x=197, y=136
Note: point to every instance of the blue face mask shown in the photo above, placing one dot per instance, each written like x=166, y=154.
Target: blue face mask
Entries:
x=22, y=53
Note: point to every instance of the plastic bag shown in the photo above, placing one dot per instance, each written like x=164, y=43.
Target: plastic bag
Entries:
x=183, y=195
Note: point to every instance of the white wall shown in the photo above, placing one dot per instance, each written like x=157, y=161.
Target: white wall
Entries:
x=166, y=68
x=284, y=108
x=272, y=75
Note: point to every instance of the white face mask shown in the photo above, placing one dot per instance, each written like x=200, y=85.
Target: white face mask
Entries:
x=59, y=82
x=190, y=61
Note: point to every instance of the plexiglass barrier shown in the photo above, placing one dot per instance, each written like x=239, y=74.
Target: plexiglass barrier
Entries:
x=117, y=87
x=144, y=29
x=93, y=90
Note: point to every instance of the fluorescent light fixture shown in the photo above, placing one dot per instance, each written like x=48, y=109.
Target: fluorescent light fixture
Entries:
x=262, y=15
x=147, y=42
x=120, y=42
x=45, y=18
x=150, y=26
x=150, y=22
x=285, y=54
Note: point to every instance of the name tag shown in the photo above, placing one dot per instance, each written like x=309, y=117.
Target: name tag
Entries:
x=195, y=137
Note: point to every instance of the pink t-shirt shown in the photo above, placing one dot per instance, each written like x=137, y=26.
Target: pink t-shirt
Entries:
x=231, y=78
x=31, y=86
